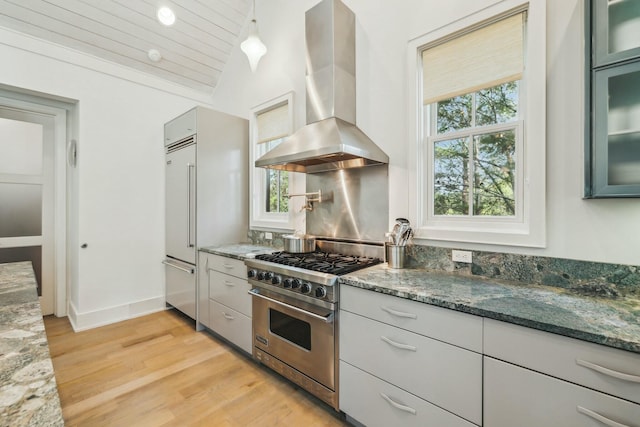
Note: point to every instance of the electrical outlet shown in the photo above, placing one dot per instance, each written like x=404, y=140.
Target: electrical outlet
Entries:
x=268, y=235
x=461, y=256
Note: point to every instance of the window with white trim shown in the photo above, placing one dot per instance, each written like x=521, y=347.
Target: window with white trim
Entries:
x=472, y=120
x=480, y=168
x=271, y=123
x=273, y=128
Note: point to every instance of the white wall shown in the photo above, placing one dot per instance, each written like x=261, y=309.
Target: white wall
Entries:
x=120, y=173
x=596, y=230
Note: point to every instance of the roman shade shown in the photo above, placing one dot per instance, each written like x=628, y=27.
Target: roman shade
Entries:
x=482, y=58
x=273, y=124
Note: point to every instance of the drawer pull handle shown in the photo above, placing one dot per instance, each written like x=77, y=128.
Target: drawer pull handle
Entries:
x=177, y=267
x=228, y=283
x=227, y=316
x=397, y=405
x=609, y=372
x=398, y=345
x=227, y=265
x=604, y=420
x=399, y=313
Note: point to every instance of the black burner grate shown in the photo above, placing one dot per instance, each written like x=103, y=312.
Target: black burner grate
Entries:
x=324, y=262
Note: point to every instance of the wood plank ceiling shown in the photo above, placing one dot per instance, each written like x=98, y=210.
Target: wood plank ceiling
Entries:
x=194, y=50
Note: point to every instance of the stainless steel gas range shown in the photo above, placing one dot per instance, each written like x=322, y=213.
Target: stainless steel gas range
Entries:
x=295, y=311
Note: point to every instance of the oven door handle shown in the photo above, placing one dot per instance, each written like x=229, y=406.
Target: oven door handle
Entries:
x=326, y=319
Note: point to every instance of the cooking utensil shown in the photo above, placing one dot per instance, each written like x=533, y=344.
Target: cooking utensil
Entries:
x=401, y=233
x=299, y=243
x=395, y=234
x=406, y=236
x=401, y=225
x=404, y=226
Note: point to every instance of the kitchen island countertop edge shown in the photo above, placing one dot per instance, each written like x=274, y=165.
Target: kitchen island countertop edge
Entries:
x=28, y=394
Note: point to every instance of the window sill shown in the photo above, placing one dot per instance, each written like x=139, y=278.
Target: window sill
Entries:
x=265, y=225
x=532, y=237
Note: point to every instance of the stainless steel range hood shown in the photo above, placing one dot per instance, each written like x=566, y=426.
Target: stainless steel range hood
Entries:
x=330, y=140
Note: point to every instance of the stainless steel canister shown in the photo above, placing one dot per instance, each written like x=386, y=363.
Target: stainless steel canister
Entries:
x=395, y=255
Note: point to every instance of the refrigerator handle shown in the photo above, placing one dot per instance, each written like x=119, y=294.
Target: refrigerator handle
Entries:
x=186, y=270
x=190, y=168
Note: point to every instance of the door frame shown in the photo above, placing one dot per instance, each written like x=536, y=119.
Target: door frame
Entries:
x=59, y=116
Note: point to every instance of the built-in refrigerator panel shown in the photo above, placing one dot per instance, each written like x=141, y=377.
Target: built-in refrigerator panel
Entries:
x=180, y=203
x=181, y=286
x=207, y=202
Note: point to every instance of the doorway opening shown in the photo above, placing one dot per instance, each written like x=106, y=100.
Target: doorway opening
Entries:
x=35, y=189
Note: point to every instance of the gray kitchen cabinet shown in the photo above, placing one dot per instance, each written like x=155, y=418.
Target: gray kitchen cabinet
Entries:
x=612, y=145
x=408, y=363
x=515, y=396
x=225, y=304
x=534, y=378
x=616, y=30
x=605, y=369
x=399, y=366
x=374, y=402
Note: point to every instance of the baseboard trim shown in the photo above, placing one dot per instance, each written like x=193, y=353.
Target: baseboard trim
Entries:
x=94, y=319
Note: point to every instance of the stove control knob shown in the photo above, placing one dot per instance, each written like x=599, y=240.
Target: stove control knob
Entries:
x=296, y=283
x=251, y=274
x=287, y=283
x=260, y=275
x=305, y=288
x=268, y=275
x=321, y=292
x=276, y=280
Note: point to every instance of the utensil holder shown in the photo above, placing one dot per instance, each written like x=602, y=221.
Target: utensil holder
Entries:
x=395, y=255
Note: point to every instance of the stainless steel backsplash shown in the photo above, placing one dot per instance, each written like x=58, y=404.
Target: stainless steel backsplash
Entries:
x=355, y=204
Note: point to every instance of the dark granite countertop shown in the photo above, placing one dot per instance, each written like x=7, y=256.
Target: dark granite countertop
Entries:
x=239, y=251
x=28, y=391
x=611, y=322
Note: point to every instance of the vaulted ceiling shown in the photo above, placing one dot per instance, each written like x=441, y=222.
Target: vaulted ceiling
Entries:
x=194, y=49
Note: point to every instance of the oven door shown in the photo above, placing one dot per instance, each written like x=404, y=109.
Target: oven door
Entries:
x=297, y=333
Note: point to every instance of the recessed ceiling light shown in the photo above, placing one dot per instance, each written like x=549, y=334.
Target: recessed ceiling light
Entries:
x=166, y=16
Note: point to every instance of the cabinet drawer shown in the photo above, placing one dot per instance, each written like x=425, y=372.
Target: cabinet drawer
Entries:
x=230, y=291
x=460, y=329
x=445, y=375
x=231, y=266
x=230, y=324
x=374, y=402
x=515, y=396
x=565, y=358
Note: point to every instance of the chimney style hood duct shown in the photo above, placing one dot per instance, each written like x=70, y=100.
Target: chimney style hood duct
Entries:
x=330, y=140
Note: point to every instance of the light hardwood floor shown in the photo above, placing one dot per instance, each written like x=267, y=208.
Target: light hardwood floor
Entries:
x=157, y=371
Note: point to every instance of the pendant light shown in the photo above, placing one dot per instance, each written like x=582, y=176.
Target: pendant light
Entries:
x=253, y=46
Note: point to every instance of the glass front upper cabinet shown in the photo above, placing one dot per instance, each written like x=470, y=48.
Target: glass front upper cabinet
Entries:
x=617, y=30
x=612, y=148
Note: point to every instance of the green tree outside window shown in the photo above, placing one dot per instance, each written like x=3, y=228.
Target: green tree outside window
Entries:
x=474, y=172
